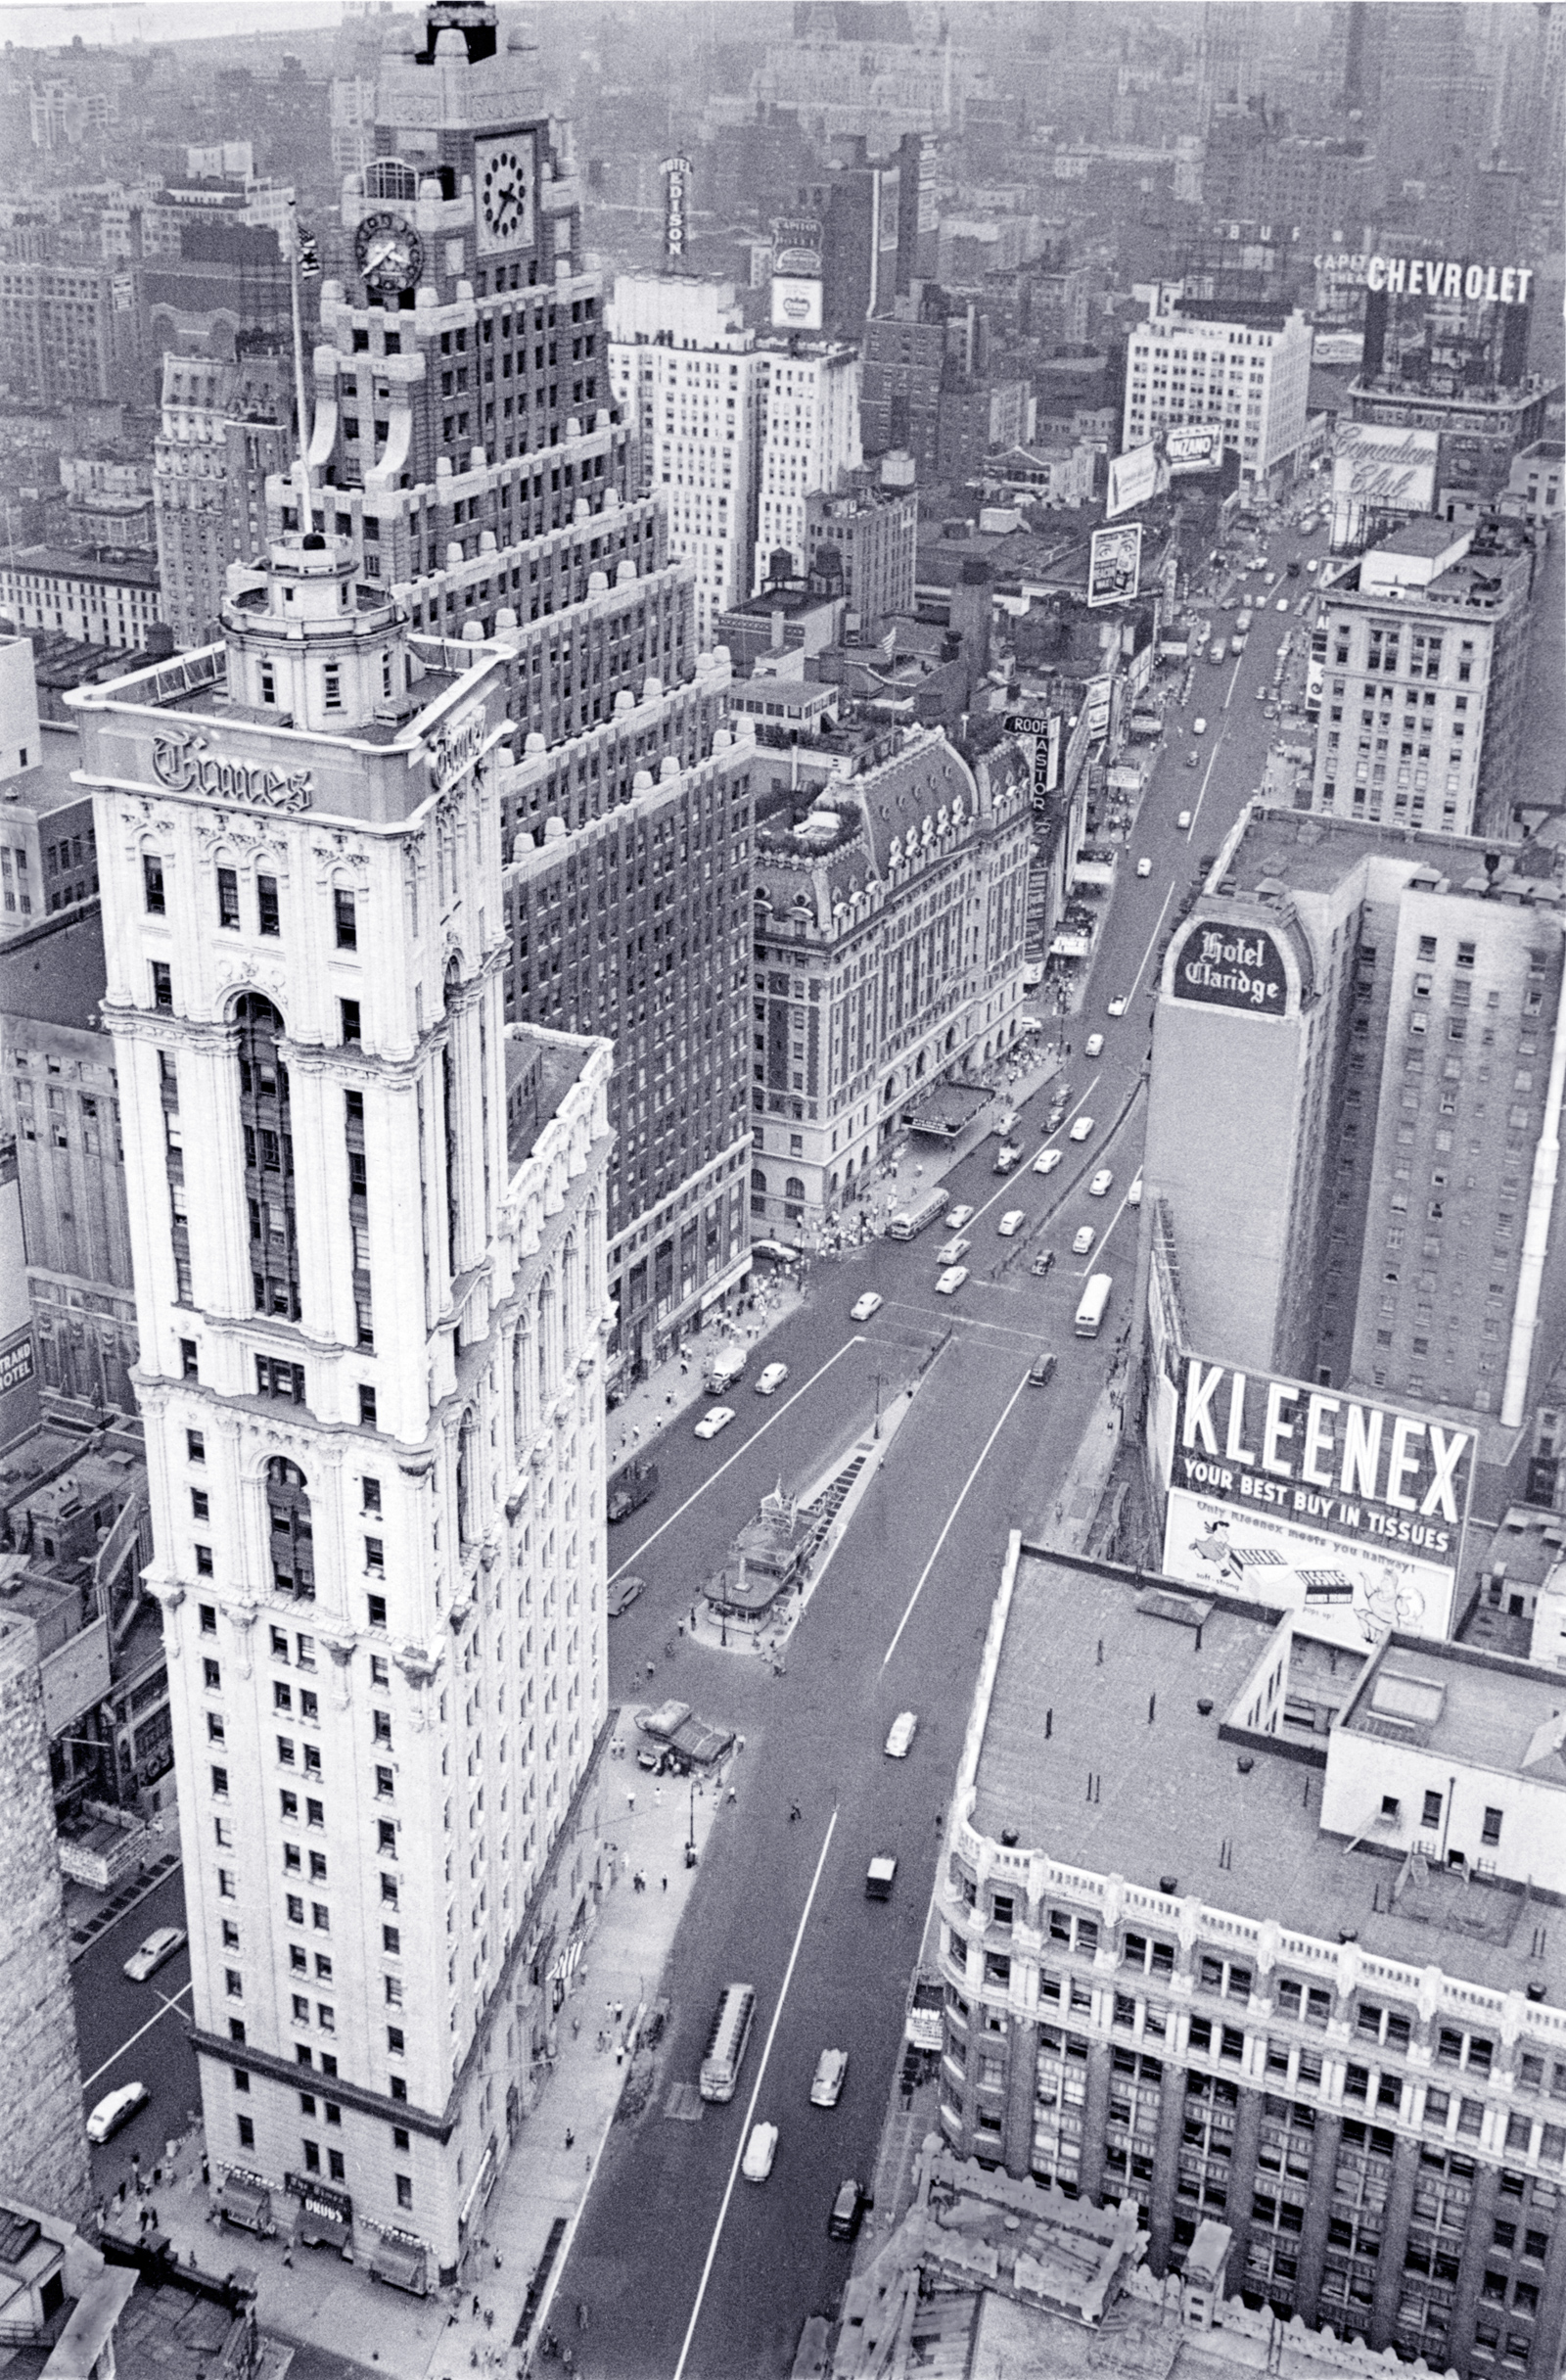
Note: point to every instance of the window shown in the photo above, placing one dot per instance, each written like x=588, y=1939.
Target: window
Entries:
x=348, y=1010
x=271, y=921
x=208, y=1619
x=348, y=932
x=1491, y=1832
x=1431, y=1814
x=151, y=882
x=367, y=1419
x=162, y=985
x=321, y=1917
x=404, y=2190
x=220, y=1782
x=195, y=1446
x=393, y=2040
x=246, y=2129
x=188, y=1367
x=227, y=897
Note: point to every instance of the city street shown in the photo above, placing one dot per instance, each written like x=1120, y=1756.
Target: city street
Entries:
x=731, y=2270
x=135, y=2032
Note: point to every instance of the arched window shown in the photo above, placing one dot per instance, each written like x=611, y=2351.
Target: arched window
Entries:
x=758, y=1180
x=288, y=1508
x=794, y=1187
x=268, y=1141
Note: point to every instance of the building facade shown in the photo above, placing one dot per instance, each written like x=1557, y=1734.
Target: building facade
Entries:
x=1427, y=648
x=1366, y=1202
x=874, y=532
x=891, y=909
x=114, y=602
x=1249, y=377
x=69, y=331
x=225, y=429
x=687, y=378
x=1295, y=2041
x=808, y=440
x=1481, y=430
x=368, y=1240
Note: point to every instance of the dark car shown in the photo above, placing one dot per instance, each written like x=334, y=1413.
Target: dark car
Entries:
x=847, y=2209
x=1042, y=1373
x=630, y=1489
x=1044, y=1264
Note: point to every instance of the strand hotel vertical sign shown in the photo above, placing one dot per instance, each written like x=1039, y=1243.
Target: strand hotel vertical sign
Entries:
x=1312, y=1500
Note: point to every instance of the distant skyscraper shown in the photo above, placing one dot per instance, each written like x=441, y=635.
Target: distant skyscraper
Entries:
x=808, y=441
x=225, y=428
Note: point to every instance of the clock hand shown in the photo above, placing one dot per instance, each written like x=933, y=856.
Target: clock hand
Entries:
x=377, y=254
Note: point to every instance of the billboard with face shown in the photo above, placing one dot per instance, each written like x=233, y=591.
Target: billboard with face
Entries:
x=1114, y=566
x=1310, y=1499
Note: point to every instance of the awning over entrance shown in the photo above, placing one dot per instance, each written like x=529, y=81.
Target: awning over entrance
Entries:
x=325, y=2218
x=246, y=2202
x=401, y=2261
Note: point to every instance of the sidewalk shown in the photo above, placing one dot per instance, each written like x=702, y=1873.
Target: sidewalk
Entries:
x=311, y=2297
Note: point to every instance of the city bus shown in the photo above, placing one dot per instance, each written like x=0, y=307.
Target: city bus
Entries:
x=727, y=2041
x=1090, y=1313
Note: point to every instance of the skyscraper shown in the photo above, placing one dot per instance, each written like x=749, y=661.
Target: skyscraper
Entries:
x=368, y=1244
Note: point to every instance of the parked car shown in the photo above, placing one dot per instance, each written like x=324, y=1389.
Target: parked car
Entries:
x=154, y=1952
x=848, y=2209
x=904, y=1727
x=1044, y=1264
x=759, y=2151
x=863, y=1307
x=1133, y=1196
x=1046, y=1160
x=951, y=1280
x=1082, y=1128
x=1011, y=1222
x=1084, y=1241
x=831, y=2072
x=1042, y=1373
x=1099, y=1185
x=1093, y=1046
x=623, y=1592
x=769, y=1382
x=1144, y=866
x=711, y=1423
x=115, y=2109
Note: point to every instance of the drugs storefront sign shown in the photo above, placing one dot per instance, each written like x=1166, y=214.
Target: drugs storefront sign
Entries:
x=1221, y=967
x=1310, y=1499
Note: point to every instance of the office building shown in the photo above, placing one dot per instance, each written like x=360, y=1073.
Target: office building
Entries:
x=870, y=981
x=1481, y=427
x=874, y=533
x=1249, y=376
x=40, y=2076
x=1423, y=677
x=225, y=428
x=807, y=443
x=628, y=905
x=1237, y=1927
x=1326, y=191
x=688, y=380
x=110, y=599
x=387, y=1669
x=222, y=290
x=1382, y=1012
x=68, y=331
x=899, y=396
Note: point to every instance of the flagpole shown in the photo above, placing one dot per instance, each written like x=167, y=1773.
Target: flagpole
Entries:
x=302, y=464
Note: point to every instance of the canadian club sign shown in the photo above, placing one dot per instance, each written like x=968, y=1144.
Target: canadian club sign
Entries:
x=1232, y=967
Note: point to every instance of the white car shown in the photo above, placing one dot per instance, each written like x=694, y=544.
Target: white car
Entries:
x=1094, y=1045
x=954, y=1251
x=759, y=2151
x=904, y=1727
x=1011, y=1222
x=154, y=1952
x=1117, y=1007
x=1198, y=726
x=951, y=1280
x=1082, y=1128
x=117, y=2109
x=831, y=2072
x=1184, y=821
x=711, y=1423
x=863, y=1307
x=1144, y=866
x=957, y=1216
x=1046, y=1160
x=1133, y=1196
x=1084, y=1241
x=769, y=1382
x=1099, y=1187
x=1284, y=603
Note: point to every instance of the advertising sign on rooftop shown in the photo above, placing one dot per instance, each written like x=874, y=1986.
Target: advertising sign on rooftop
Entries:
x=1194, y=447
x=1114, y=566
x=1310, y=1498
x=1137, y=475
x=1224, y=966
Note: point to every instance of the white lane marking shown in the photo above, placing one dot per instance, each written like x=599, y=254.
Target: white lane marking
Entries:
x=858, y=1340
x=951, y=1517
x=750, y=2113
x=1152, y=940
x=1013, y=1181
x=168, y=2008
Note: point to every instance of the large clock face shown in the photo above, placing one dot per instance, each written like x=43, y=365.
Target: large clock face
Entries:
x=502, y=172
x=388, y=253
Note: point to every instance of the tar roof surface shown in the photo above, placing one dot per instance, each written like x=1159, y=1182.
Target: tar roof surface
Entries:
x=1171, y=1799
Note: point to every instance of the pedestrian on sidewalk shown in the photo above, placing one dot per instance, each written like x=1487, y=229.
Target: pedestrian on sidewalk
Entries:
x=630, y=1796
x=576, y=2034
x=570, y=2142
x=666, y=1883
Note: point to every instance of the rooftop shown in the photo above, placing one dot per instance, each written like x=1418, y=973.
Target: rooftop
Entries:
x=56, y=975
x=540, y=1069
x=1308, y=853
x=1466, y=1708
x=1121, y=1682
x=58, y=562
